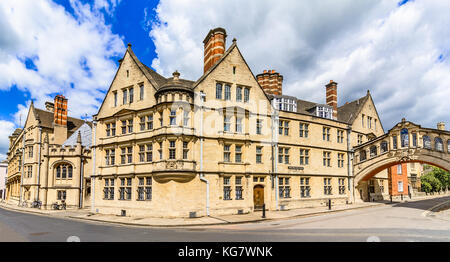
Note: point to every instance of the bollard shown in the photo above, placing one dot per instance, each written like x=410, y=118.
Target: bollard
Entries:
x=402, y=196
x=391, y=198
x=264, y=211
x=329, y=204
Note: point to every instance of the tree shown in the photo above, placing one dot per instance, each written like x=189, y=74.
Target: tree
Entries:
x=430, y=183
x=442, y=176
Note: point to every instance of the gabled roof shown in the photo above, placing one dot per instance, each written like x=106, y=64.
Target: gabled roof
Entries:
x=154, y=78
x=348, y=112
x=230, y=49
x=85, y=132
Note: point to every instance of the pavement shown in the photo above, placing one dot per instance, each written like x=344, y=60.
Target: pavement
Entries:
x=84, y=214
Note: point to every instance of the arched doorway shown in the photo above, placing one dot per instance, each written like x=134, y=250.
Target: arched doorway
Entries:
x=258, y=197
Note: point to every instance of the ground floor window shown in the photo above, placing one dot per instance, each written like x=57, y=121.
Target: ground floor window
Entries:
x=400, y=186
x=341, y=186
x=238, y=184
x=327, y=186
x=145, y=188
x=226, y=188
x=108, y=189
x=125, y=189
x=305, y=188
x=284, y=188
x=61, y=194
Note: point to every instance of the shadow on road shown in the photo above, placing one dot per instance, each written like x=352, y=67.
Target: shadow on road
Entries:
x=422, y=204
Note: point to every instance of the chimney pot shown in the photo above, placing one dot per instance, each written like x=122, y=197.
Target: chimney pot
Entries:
x=214, y=47
x=60, y=110
x=331, y=97
x=271, y=83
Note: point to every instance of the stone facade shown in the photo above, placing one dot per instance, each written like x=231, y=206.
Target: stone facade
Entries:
x=3, y=173
x=49, y=159
x=171, y=147
x=227, y=143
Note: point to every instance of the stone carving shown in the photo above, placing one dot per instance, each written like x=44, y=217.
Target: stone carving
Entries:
x=171, y=165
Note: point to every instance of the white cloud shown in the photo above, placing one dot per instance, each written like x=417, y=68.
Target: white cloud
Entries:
x=72, y=54
x=46, y=50
x=6, y=129
x=393, y=51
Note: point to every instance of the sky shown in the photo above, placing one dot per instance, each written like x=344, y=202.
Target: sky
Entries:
x=399, y=50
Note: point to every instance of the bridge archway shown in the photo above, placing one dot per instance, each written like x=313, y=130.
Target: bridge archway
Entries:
x=406, y=142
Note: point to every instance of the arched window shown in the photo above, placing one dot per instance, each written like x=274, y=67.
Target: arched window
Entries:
x=404, y=137
x=362, y=155
x=438, y=145
x=426, y=142
x=64, y=171
x=373, y=151
x=383, y=147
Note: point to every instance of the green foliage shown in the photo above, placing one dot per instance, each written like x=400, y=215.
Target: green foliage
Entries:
x=442, y=176
x=426, y=187
x=430, y=183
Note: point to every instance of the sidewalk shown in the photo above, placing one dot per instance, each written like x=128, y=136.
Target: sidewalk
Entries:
x=84, y=214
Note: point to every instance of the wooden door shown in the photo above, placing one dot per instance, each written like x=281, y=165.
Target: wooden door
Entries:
x=258, y=196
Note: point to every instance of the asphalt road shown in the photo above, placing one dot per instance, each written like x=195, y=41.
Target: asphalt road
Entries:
x=402, y=222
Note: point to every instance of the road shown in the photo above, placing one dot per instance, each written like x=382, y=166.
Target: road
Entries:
x=402, y=222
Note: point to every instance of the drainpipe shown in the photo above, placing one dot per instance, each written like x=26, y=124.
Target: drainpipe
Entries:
x=23, y=160
x=202, y=176
x=94, y=122
x=350, y=166
x=81, y=181
x=39, y=165
x=275, y=117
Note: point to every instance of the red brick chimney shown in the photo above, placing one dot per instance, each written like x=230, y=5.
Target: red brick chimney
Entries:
x=332, y=97
x=60, y=113
x=271, y=82
x=214, y=44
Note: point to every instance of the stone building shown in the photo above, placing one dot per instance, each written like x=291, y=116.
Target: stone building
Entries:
x=226, y=143
x=49, y=159
x=3, y=172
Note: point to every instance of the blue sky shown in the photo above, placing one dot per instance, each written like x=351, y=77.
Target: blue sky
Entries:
x=396, y=49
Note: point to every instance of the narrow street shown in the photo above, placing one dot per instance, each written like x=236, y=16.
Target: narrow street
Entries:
x=402, y=222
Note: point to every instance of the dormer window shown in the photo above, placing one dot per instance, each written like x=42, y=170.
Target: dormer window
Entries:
x=285, y=104
x=324, y=112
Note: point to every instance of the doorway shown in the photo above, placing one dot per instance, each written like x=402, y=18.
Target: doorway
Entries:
x=258, y=197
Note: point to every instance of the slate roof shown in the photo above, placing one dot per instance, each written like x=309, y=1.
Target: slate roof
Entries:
x=348, y=112
x=159, y=79
x=46, y=118
x=85, y=131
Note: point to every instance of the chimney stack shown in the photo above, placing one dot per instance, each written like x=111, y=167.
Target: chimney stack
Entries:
x=60, y=110
x=271, y=82
x=49, y=106
x=214, y=45
x=331, y=95
x=441, y=126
